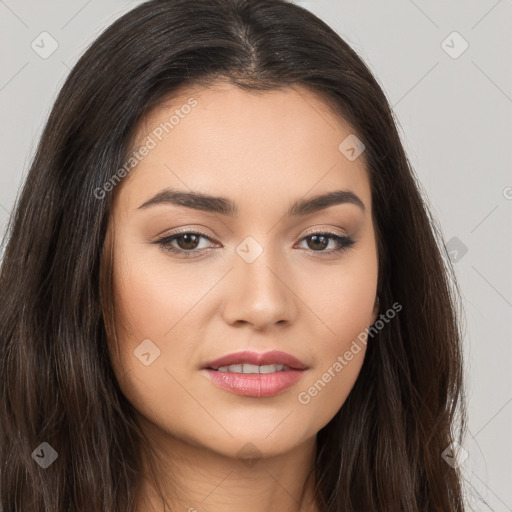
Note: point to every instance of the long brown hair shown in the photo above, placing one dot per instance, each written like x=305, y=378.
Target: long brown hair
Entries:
x=382, y=450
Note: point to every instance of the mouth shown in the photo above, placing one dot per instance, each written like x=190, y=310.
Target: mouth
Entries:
x=255, y=375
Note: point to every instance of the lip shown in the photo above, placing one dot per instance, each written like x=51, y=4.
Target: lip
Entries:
x=256, y=385
x=260, y=359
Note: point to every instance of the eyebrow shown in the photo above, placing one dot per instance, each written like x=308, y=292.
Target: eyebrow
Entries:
x=225, y=206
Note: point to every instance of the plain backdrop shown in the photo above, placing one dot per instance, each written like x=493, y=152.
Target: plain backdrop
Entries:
x=445, y=67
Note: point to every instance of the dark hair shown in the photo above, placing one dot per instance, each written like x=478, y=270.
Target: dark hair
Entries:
x=382, y=450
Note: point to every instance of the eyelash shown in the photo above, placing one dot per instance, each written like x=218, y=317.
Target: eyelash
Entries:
x=165, y=243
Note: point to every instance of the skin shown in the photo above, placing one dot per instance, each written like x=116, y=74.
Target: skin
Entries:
x=264, y=151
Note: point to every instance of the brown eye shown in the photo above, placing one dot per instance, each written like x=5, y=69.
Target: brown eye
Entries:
x=317, y=242
x=187, y=241
x=183, y=244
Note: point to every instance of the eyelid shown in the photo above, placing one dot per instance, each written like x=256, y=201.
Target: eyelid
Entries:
x=320, y=229
x=191, y=228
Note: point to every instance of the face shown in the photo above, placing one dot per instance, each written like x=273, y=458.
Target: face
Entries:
x=195, y=280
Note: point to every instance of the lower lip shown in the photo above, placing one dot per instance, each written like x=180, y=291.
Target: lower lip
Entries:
x=255, y=385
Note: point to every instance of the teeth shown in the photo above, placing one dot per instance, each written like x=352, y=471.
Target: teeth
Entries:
x=253, y=368
x=250, y=368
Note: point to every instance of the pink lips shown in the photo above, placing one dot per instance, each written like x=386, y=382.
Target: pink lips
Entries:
x=256, y=385
x=247, y=356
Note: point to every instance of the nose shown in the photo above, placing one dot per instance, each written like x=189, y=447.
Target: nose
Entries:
x=260, y=294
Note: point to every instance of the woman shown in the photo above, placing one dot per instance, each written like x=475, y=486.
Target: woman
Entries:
x=222, y=289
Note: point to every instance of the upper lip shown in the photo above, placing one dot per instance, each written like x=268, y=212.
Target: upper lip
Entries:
x=260, y=359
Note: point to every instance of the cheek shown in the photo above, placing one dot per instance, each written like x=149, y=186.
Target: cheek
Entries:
x=340, y=353
x=153, y=334
x=344, y=301
x=155, y=301
x=329, y=385
x=344, y=296
x=151, y=300
x=147, y=306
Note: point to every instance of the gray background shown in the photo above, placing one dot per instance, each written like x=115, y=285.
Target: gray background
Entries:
x=454, y=116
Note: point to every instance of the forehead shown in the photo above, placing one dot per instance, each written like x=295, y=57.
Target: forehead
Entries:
x=226, y=141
